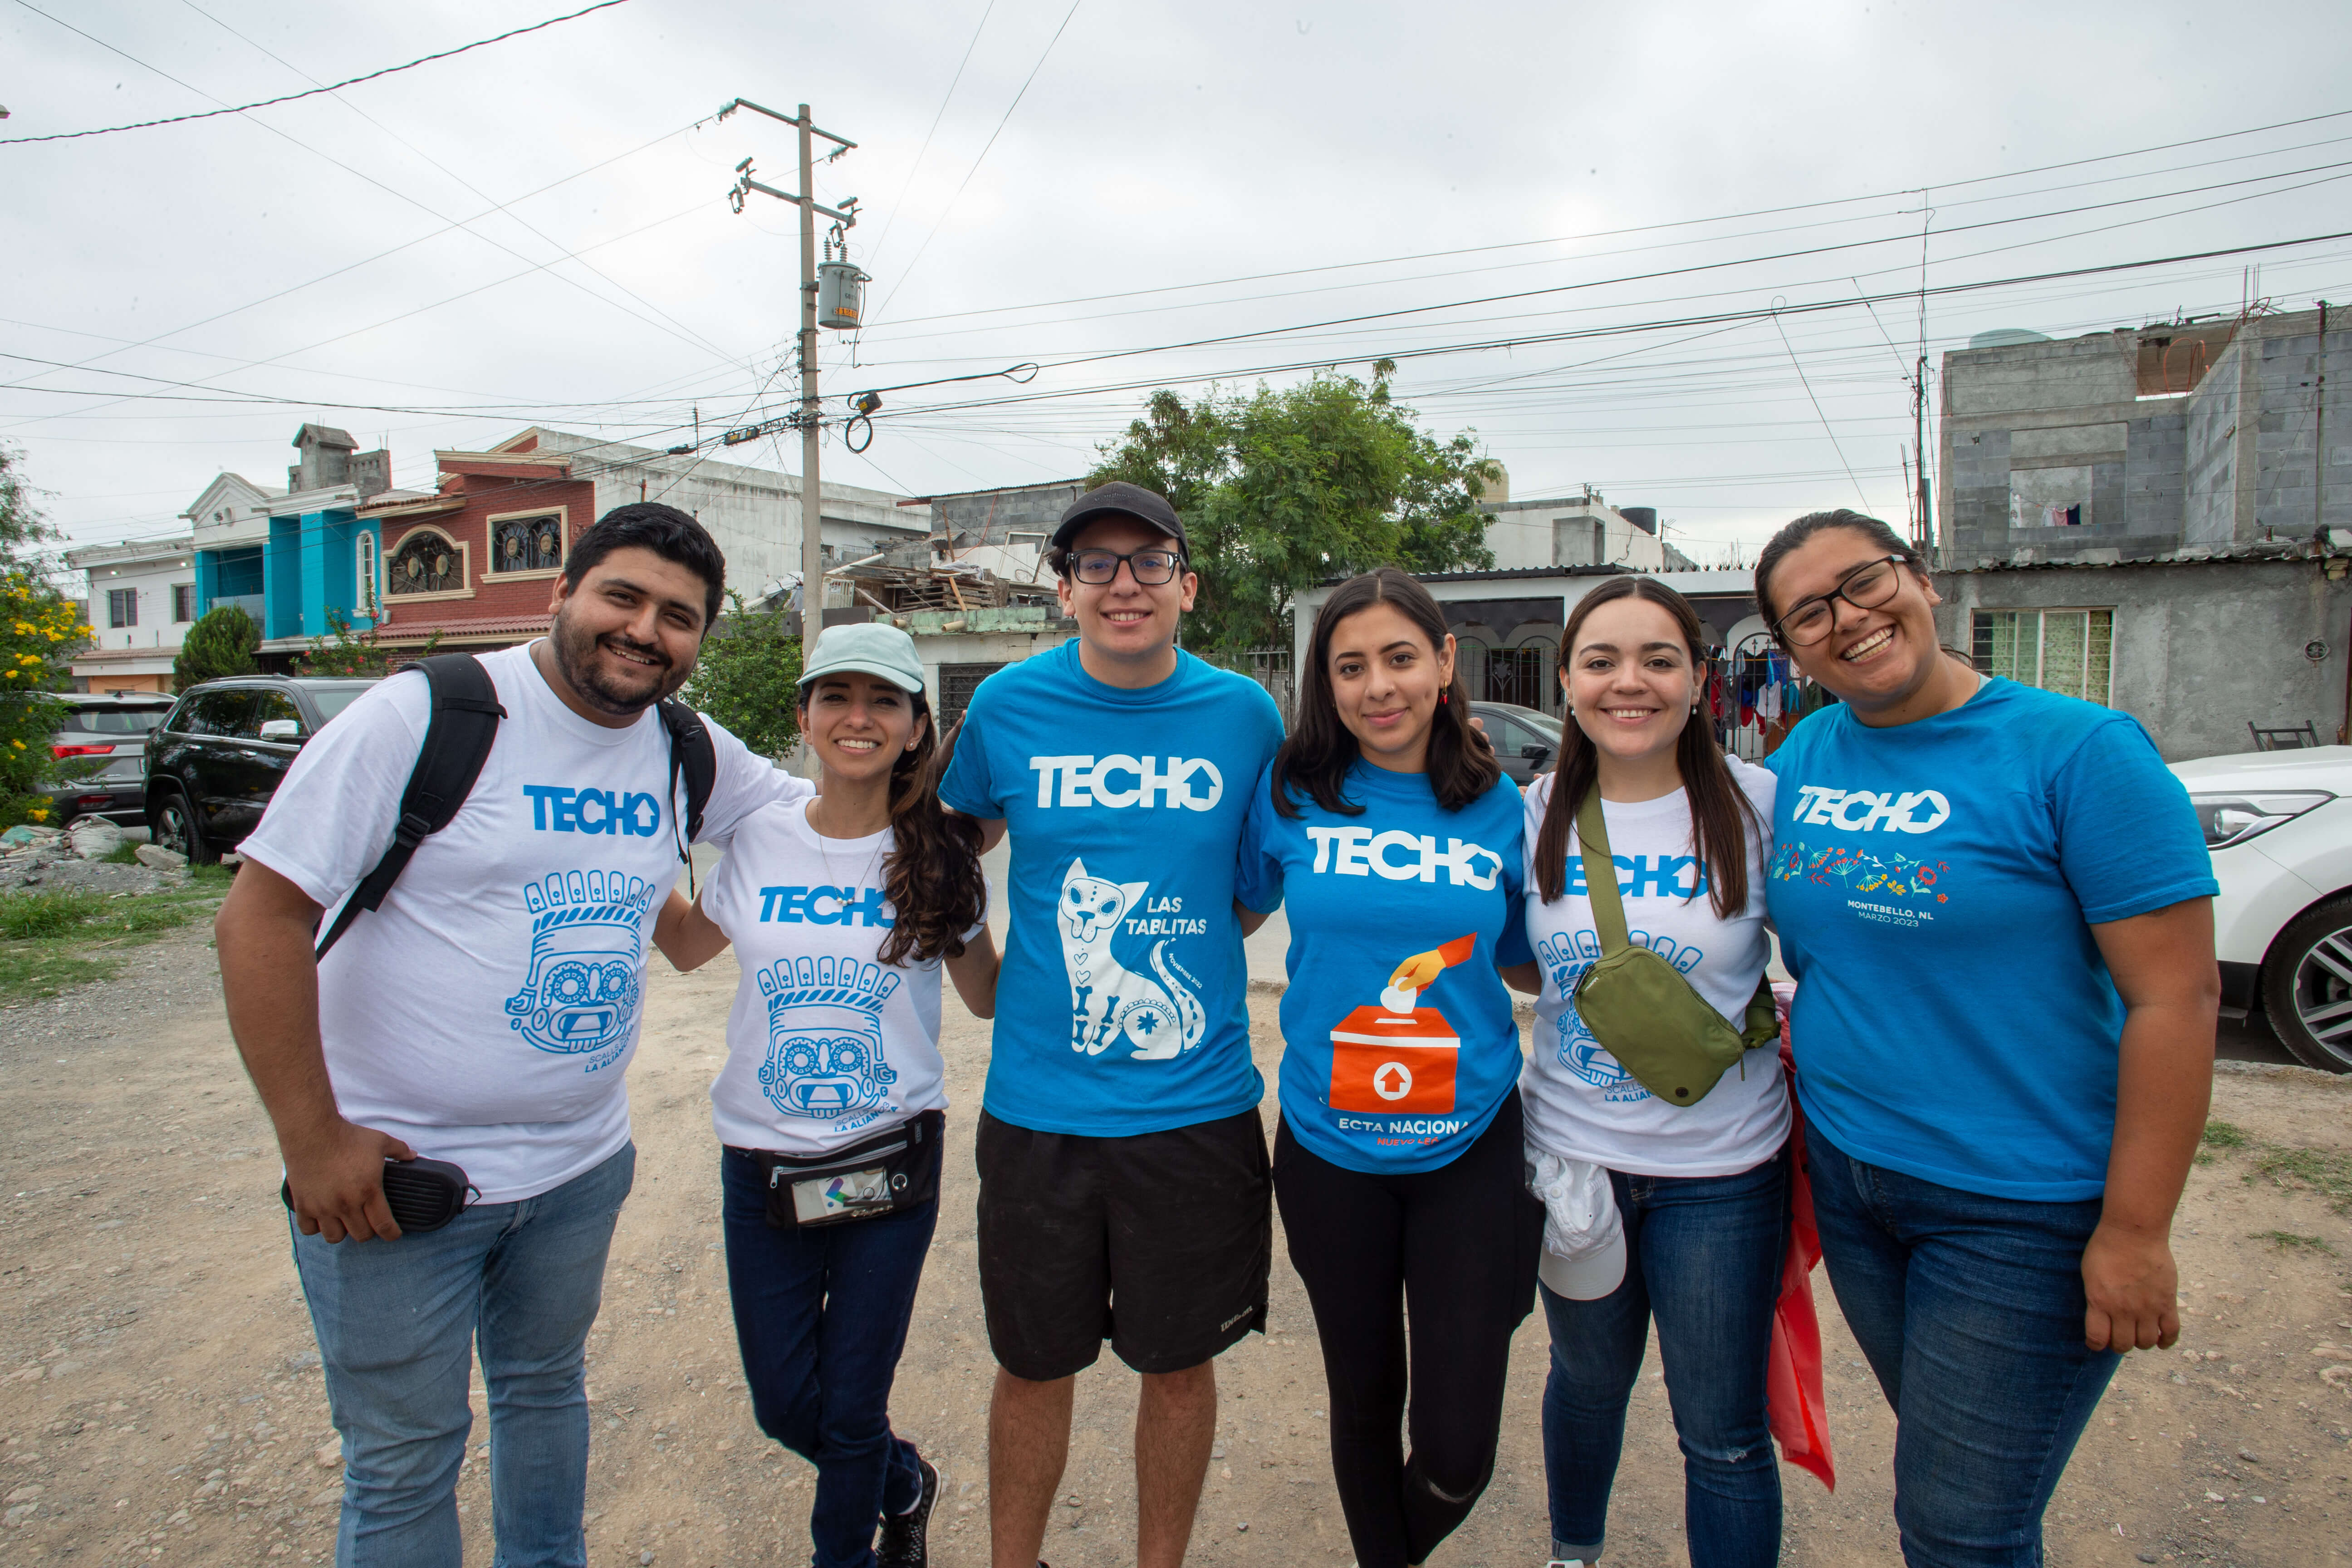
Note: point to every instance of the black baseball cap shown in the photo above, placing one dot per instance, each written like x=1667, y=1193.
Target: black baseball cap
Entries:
x=1120, y=499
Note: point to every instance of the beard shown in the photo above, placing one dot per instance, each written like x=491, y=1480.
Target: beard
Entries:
x=598, y=681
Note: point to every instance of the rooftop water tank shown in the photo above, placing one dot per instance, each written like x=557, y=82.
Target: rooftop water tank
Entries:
x=1644, y=518
x=840, y=295
x=2006, y=337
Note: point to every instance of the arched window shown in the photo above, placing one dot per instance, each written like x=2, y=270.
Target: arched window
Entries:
x=528, y=542
x=368, y=587
x=427, y=561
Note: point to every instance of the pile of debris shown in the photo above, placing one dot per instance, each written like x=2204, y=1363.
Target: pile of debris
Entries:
x=49, y=857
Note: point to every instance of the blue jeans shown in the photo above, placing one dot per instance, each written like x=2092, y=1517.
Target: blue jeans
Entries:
x=1970, y=1310
x=1703, y=1255
x=397, y=1323
x=821, y=1317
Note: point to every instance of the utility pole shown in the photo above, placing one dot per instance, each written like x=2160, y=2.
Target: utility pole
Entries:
x=812, y=491
x=1927, y=540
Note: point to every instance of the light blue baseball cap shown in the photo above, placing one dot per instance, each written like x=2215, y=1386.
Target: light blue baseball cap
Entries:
x=869, y=648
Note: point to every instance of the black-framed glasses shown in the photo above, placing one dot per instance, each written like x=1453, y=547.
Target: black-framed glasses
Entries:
x=1865, y=587
x=1152, y=568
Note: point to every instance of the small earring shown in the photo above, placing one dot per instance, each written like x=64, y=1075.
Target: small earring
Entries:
x=1442, y=699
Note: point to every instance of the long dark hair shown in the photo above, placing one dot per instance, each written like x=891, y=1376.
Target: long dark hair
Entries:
x=1794, y=533
x=1719, y=808
x=931, y=875
x=1319, y=751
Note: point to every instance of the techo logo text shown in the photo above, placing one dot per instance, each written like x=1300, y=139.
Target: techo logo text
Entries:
x=1398, y=856
x=1117, y=781
x=554, y=809
x=1867, y=811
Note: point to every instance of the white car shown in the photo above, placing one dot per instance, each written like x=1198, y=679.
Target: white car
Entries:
x=2279, y=825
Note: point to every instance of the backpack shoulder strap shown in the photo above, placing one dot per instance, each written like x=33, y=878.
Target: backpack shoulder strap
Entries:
x=1600, y=875
x=457, y=739
x=693, y=755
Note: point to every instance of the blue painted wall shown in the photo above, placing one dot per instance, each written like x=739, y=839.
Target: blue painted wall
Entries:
x=311, y=566
x=228, y=574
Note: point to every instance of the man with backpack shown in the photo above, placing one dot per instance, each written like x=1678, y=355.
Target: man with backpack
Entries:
x=500, y=831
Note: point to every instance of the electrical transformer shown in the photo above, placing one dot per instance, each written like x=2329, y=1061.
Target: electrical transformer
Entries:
x=840, y=295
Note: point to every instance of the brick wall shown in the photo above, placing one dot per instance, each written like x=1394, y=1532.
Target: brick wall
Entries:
x=484, y=593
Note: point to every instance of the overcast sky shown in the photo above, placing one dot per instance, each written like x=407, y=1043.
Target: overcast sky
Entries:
x=538, y=231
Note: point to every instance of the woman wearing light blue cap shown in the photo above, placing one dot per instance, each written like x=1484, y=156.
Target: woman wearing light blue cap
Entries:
x=843, y=910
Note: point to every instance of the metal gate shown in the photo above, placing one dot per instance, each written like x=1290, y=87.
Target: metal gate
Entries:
x=1270, y=667
x=956, y=683
x=1519, y=675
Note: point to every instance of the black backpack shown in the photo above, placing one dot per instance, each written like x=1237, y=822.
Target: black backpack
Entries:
x=457, y=739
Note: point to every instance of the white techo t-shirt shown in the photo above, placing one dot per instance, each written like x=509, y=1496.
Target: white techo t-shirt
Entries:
x=1580, y=1102
x=825, y=1045
x=486, y=1012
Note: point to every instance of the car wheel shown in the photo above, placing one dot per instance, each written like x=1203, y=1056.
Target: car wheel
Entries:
x=2307, y=986
x=175, y=829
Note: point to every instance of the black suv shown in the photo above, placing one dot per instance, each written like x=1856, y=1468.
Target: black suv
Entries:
x=216, y=760
x=103, y=742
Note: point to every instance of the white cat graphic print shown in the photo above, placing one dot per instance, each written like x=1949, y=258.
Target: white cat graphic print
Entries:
x=1110, y=1002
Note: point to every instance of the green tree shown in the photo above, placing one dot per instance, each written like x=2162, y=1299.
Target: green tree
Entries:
x=748, y=678
x=220, y=643
x=343, y=652
x=1284, y=488
x=39, y=633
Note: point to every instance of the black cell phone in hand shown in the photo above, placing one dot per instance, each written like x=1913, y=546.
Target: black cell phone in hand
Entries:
x=423, y=1194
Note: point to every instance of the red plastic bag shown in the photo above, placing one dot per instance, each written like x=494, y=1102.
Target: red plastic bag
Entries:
x=1793, y=1402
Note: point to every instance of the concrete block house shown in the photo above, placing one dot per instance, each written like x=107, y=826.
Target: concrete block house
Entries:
x=2158, y=519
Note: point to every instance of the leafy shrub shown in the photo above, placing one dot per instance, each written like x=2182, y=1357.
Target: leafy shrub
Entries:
x=221, y=642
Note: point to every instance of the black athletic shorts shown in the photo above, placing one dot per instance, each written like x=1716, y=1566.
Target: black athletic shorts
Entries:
x=1159, y=1243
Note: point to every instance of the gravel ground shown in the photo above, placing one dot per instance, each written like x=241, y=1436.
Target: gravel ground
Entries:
x=161, y=1402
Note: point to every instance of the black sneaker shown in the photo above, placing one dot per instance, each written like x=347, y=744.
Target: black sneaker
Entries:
x=904, y=1542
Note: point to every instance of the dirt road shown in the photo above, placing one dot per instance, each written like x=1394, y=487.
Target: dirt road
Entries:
x=161, y=1402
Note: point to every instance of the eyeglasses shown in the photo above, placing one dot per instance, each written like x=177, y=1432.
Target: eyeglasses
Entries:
x=1151, y=568
x=1865, y=587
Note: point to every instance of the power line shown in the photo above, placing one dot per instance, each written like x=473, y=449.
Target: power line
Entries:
x=1393, y=315
x=912, y=169
x=976, y=162
x=470, y=187
x=1577, y=334
x=356, y=173
x=287, y=97
x=1808, y=384
x=1677, y=222
x=388, y=320
x=448, y=227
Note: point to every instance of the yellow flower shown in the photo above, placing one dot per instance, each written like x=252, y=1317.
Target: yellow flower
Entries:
x=18, y=744
x=38, y=814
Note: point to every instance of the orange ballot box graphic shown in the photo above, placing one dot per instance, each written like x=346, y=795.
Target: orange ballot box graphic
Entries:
x=1383, y=1062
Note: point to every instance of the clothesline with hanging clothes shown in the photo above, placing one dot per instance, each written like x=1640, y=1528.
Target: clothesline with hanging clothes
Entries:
x=1755, y=693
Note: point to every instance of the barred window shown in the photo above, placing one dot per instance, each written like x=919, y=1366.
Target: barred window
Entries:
x=527, y=544
x=2066, y=651
x=425, y=564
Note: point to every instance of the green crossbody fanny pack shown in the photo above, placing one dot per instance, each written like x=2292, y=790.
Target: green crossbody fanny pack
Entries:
x=1641, y=1008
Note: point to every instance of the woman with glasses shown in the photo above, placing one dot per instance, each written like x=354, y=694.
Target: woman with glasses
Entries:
x=1701, y=1189
x=1998, y=907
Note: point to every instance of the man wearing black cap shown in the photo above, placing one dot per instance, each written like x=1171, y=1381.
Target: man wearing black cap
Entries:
x=1121, y=1158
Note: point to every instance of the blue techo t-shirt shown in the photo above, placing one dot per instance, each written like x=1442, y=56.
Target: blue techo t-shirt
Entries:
x=1123, y=1005
x=1374, y=1080
x=1935, y=884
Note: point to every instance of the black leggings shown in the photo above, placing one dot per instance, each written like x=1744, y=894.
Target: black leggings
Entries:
x=1456, y=1247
